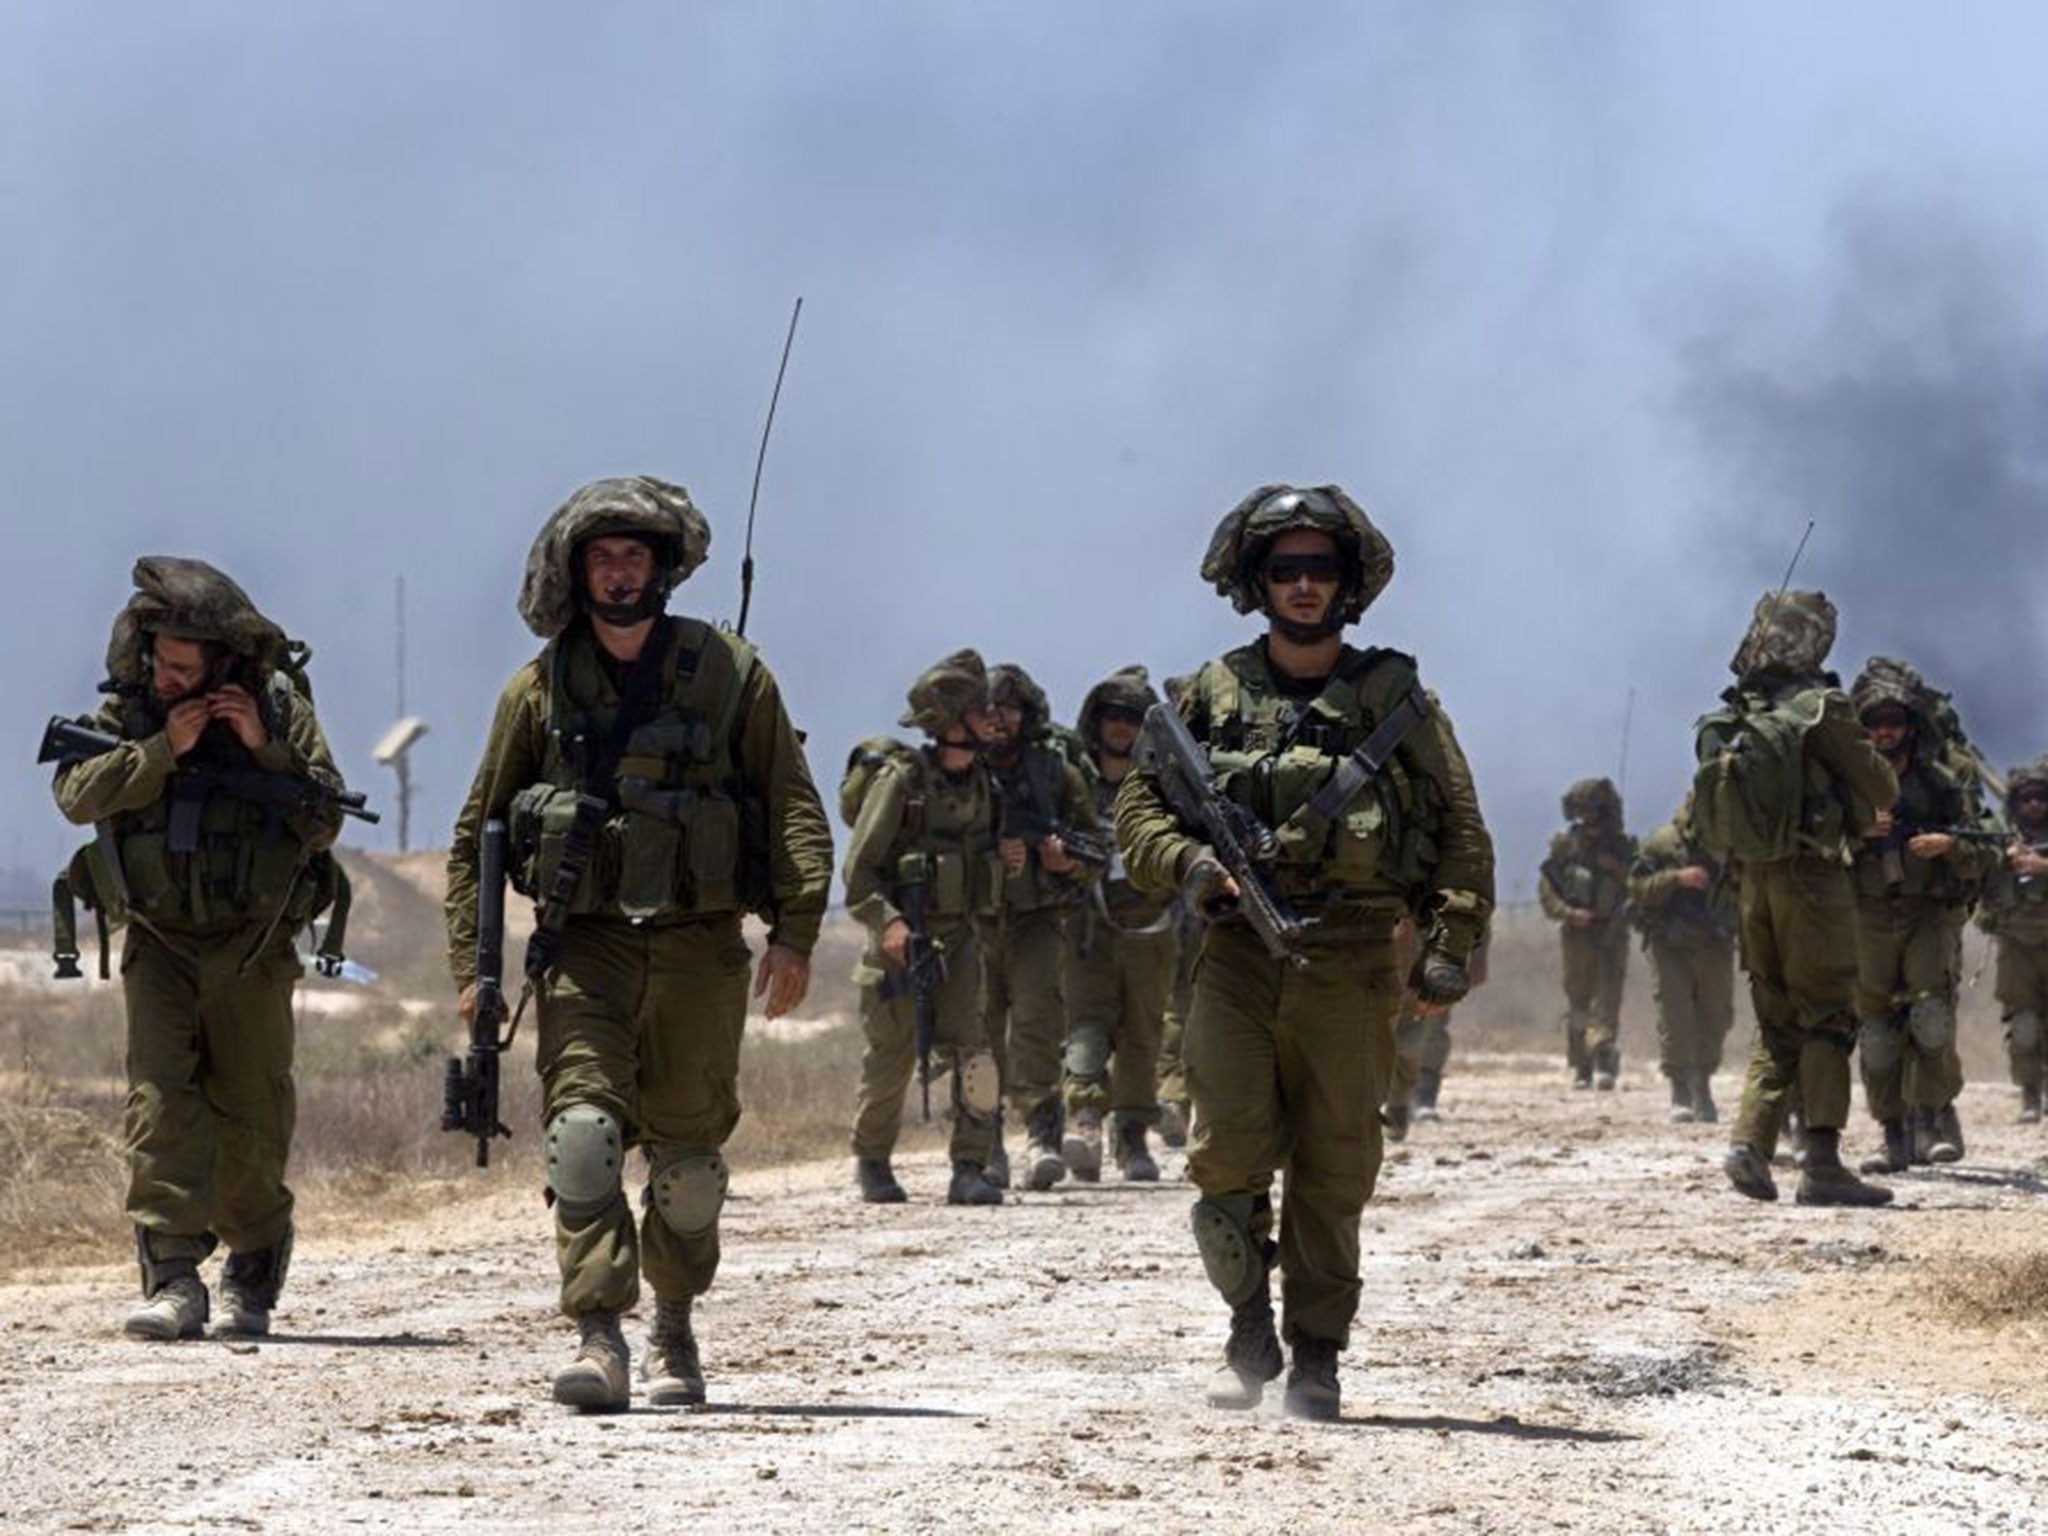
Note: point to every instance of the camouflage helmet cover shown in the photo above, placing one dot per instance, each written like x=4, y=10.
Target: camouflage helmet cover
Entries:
x=2027, y=776
x=1128, y=688
x=947, y=690
x=188, y=600
x=1239, y=544
x=1789, y=632
x=1886, y=680
x=1009, y=683
x=1593, y=799
x=637, y=505
x=1176, y=688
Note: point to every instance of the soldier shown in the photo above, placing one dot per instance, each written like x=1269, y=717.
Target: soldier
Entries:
x=654, y=790
x=1915, y=881
x=1584, y=886
x=1786, y=782
x=1682, y=899
x=1120, y=964
x=1287, y=1063
x=213, y=887
x=2015, y=913
x=924, y=821
x=1040, y=794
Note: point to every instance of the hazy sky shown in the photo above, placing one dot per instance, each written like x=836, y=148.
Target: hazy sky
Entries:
x=1591, y=305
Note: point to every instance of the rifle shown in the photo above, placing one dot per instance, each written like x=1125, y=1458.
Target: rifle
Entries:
x=924, y=970
x=1892, y=845
x=1169, y=755
x=66, y=742
x=1021, y=812
x=469, y=1089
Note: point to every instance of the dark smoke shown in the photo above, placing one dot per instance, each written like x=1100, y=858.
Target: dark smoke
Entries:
x=1901, y=401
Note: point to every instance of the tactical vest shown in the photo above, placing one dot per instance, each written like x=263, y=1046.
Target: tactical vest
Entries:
x=197, y=862
x=1272, y=754
x=2014, y=907
x=666, y=838
x=946, y=838
x=1686, y=917
x=1929, y=796
x=1031, y=794
x=1115, y=900
x=1574, y=873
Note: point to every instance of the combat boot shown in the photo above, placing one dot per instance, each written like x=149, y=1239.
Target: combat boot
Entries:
x=1173, y=1123
x=600, y=1378
x=1132, y=1155
x=176, y=1309
x=1704, y=1110
x=1582, y=1075
x=1682, y=1112
x=1921, y=1127
x=1042, y=1136
x=1251, y=1356
x=1750, y=1172
x=997, y=1172
x=1897, y=1153
x=1606, y=1068
x=670, y=1373
x=2030, y=1104
x=1947, y=1146
x=1428, y=1084
x=250, y=1284
x=1312, y=1391
x=1824, y=1181
x=1082, y=1149
x=877, y=1181
x=970, y=1186
x=1394, y=1119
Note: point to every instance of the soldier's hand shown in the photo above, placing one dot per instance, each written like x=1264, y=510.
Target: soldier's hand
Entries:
x=186, y=720
x=1441, y=981
x=1052, y=853
x=896, y=942
x=1930, y=845
x=1014, y=853
x=2025, y=861
x=783, y=977
x=1210, y=889
x=1695, y=877
x=1882, y=827
x=234, y=704
x=465, y=1003
x=1579, y=917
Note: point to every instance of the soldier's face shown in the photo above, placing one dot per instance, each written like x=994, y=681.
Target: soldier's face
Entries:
x=1888, y=732
x=984, y=725
x=957, y=748
x=2030, y=808
x=616, y=568
x=178, y=669
x=1302, y=571
x=1009, y=723
x=1119, y=735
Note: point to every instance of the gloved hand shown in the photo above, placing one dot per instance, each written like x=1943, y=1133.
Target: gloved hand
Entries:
x=1207, y=884
x=1439, y=980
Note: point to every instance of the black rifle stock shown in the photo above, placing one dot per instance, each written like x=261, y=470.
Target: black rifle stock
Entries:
x=66, y=742
x=924, y=968
x=469, y=1095
x=1169, y=754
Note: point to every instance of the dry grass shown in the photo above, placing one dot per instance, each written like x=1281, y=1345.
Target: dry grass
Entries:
x=1994, y=1291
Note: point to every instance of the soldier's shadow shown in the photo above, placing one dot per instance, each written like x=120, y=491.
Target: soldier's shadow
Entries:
x=822, y=1411
x=1510, y=1428
x=2019, y=1180
x=349, y=1340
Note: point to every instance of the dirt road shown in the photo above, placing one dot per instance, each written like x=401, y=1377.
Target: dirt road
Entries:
x=1568, y=1323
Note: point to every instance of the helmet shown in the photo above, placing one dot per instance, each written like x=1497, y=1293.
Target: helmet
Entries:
x=1176, y=688
x=1128, y=688
x=638, y=506
x=1009, y=683
x=1885, y=680
x=1789, y=632
x=2032, y=775
x=1239, y=545
x=189, y=600
x=1593, y=800
x=945, y=691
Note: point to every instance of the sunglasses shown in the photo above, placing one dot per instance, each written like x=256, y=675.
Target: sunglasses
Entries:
x=1286, y=570
x=1123, y=713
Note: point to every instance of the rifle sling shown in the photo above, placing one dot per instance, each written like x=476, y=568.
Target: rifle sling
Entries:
x=1359, y=769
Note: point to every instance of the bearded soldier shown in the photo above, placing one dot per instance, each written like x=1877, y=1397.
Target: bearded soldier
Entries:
x=1040, y=796
x=2015, y=913
x=213, y=884
x=1915, y=881
x=655, y=790
x=919, y=868
x=1120, y=963
x=1584, y=887
x=1682, y=899
x=1788, y=748
x=1354, y=769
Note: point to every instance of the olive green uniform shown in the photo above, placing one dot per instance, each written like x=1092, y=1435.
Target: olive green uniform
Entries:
x=710, y=811
x=1422, y=1044
x=1187, y=944
x=919, y=822
x=207, y=970
x=2015, y=913
x=1797, y=933
x=1909, y=920
x=1024, y=939
x=1690, y=937
x=1590, y=872
x=1119, y=979
x=1287, y=1065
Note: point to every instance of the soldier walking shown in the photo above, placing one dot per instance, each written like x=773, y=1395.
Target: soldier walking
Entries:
x=1683, y=899
x=1584, y=888
x=2015, y=914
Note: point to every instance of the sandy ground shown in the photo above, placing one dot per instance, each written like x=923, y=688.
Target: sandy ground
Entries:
x=1568, y=1323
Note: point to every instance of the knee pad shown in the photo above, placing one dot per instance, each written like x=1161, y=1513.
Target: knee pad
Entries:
x=586, y=1154
x=688, y=1189
x=1883, y=1044
x=1231, y=1256
x=1932, y=1023
x=2023, y=1031
x=977, y=1085
x=1088, y=1054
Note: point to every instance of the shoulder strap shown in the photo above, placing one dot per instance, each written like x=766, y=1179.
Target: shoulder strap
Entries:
x=1360, y=768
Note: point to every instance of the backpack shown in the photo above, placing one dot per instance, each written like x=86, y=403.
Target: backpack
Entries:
x=863, y=764
x=1750, y=784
